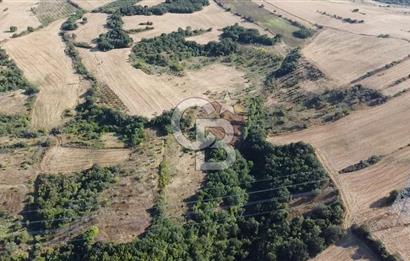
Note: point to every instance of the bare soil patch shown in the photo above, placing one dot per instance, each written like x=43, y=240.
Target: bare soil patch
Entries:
x=40, y=55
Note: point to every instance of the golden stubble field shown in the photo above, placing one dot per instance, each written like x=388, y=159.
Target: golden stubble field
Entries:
x=40, y=55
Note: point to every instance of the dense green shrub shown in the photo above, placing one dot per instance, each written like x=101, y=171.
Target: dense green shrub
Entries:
x=303, y=33
x=247, y=36
x=11, y=77
x=289, y=64
x=60, y=199
x=71, y=23
x=170, y=6
x=116, y=37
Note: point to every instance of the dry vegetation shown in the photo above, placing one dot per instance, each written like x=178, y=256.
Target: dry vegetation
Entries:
x=41, y=57
x=12, y=102
x=60, y=159
x=48, y=11
x=16, y=13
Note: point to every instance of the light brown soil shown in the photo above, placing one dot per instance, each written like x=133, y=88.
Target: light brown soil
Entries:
x=60, y=159
x=17, y=13
x=150, y=95
x=40, y=55
x=12, y=102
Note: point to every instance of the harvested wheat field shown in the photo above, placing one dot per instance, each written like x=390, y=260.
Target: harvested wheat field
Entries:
x=211, y=16
x=376, y=20
x=345, y=56
x=17, y=13
x=40, y=55
x=61, y=159
x=349, y=248
x=91, y=4
x=12, y=102
x=150, y=95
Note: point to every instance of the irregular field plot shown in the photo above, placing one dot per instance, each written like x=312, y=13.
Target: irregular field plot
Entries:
x=40, y=55
x=345, y=56
x=61, y=159
x=148, y=95
x=16, y=13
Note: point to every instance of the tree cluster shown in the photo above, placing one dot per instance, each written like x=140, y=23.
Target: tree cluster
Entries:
x=247, y=36
x=116, y=37
x=60, y=199
x=11, y=77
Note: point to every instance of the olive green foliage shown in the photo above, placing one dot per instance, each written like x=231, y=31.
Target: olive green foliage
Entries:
x=374, y=244
x=303, y=33
x=13, y=125
x=11, y=77
x=362, y=164
x=288, y=64
x=247, y=36
x=71, y=23
x=128, y=7
x=116, y=37
x=168, y=50
x=115, y=6
x=163, y=175
x=60, y=199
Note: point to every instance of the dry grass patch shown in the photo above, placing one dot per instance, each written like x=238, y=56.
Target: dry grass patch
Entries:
x=127, y=204
x=13, y=102
x=17, y=13
x=61, y=159
x=40, y=55
x=345, y=56
x=149, y=3
x=185, y=180
x=150, y=95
